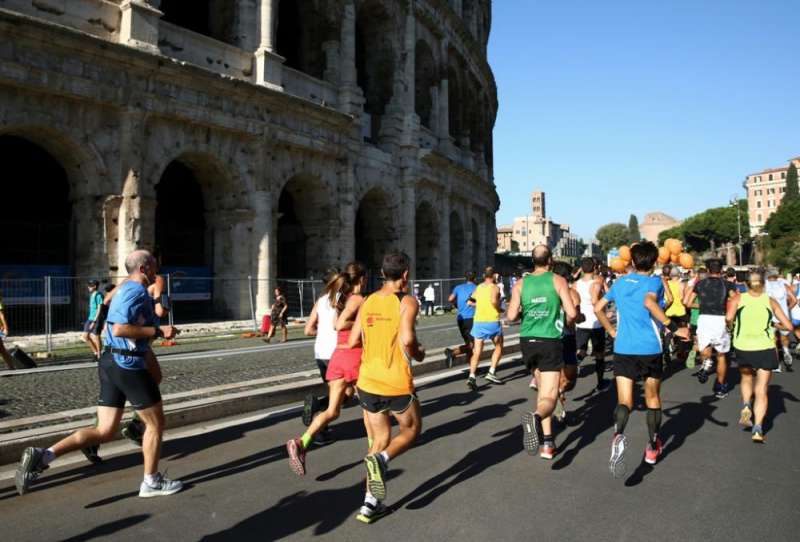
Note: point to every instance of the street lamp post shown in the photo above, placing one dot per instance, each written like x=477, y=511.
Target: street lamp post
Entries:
x=735, y=201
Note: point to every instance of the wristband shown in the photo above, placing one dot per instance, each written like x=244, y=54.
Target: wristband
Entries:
x=671, y=325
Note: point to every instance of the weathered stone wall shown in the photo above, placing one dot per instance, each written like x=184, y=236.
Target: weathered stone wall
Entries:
x=115, y=97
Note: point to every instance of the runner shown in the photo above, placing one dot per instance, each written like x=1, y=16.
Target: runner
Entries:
x=590, y=289
x=486, y=327
x=385, y=327
x=123, y=375
x=3, y=334
x=637, y=349
x=569, y=373
x=466, y=313
x=780, y=290
x=694, y=315
x=279, y=317
x=542, y=299
x=676, y=311
x=338, y=307
x=88, y=336
x=713, y=294
x=754, y=343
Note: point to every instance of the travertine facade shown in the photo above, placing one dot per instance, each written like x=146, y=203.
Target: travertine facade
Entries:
x=654, y=223
x=258, y=138
x=765, y=191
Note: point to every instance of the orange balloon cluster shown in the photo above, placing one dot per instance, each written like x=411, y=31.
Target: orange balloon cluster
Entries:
x=672, y=252
x=621, y=262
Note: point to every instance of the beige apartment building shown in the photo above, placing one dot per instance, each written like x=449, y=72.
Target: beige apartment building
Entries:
x=765, y=191
x=526, y=232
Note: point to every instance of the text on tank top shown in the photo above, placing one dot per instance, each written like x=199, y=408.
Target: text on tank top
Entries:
x=542, y=314
x=753, y=329
x=485, y=311
x=385, y=368
x=584, y=288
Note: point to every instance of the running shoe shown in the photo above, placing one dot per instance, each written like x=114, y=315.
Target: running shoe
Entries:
x=91, y=454
x=758, y=434
x=787, y=359
x=720, y=390
x=651, y=454
x=702, y=376
x=297, y=456
x=30, y=467
x=548, y=450
x=746, y=417
x=324, y=437
x=449, y=358
x=376, y=476
x=532, y=433
x=534, y=385
x=163, y=486
x=777, y=369
x=472, y=384
x=617, y=462
x=310, y=407
x=491, y=377
x=133, y=431
x=603, y=386
x=372, y=512
x=690, y=359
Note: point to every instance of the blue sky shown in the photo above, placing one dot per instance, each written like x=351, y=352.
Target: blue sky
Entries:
x=629, y=106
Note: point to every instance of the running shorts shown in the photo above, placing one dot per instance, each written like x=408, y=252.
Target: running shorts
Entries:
x=712, y=330
x=596, y=336
x=757, y=359
x=118, y=384
x=633, y=367
x=88, y=325
x=543, y=354
x=344, y=363
x=382, y=404
x=465, y=328
x=570, y=349
x=486, y=331
x=322, y=365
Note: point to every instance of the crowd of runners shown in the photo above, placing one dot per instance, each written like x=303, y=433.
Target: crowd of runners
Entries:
x=649, y=322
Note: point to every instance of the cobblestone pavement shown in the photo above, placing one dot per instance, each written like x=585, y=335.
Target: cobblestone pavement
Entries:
x=35, y=394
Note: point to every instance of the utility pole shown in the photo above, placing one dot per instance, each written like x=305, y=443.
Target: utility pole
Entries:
x=735, y=201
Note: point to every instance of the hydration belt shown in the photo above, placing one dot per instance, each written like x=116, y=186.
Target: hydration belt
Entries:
x=123, y=352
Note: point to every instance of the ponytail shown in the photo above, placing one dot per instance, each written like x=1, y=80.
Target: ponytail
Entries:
x=342, y=285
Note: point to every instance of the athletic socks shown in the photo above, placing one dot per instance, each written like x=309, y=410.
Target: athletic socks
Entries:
x=653, y=423
x=48, y=456
x=621, y=414
x=306, y=439
x=472, y=375
x=369, y=442
x=491, y=372
x=151, y=479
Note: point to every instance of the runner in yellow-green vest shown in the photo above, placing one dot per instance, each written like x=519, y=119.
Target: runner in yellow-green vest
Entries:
x=543, y=301
x=486, y=327
x=754, y=342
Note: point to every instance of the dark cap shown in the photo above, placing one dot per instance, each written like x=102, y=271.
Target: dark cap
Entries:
x=93, y=282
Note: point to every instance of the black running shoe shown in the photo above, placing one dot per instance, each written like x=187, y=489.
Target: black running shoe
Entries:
x=310, y=407
x=702, y=376
x=449, y=358
x=532, y=433
x=472, y=383
x=324, y=437
x=91, y=454
x=30, y=467
x=133, y=431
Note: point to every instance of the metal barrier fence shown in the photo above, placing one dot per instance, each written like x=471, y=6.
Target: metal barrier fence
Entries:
x=40, y=308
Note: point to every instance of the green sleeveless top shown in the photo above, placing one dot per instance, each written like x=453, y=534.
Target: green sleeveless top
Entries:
x=753, y=323
x=542, y=315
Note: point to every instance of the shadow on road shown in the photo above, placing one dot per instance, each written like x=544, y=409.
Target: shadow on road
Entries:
x=595, y=417
x=108, y=529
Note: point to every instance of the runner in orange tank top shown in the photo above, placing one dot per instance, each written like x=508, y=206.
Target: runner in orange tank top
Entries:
x=385, y=328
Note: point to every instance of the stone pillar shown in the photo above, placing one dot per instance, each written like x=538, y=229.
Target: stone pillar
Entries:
x=88, y=236
x=408, y=232
x=444, y=238
x=443, y=127
x=351, y=99
x=139, y=24
x=332, y=62
x=263, y=246
x=348, y=208
x=268, y=63
x=471, y=260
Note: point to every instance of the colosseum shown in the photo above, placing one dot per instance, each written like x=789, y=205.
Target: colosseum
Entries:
x=263, y=138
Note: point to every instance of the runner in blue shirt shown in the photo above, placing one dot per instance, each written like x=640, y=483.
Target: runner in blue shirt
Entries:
x=637, y=348
x=124, y=375
x=465, y=305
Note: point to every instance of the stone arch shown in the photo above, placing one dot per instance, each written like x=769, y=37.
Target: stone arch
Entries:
x=302, y=29
x=457, y=245
x=477, y=129
x=308, y=227
x=376, y=60
x=213, y=18
x=376, y=227
x=456, y=96
x=425, y=80
x=427, y=241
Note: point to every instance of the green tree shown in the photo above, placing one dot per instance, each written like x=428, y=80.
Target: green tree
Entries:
x=612, y=235
x=792, y=189
x=710, y=228
x=633, y=229
x=676, y=232
x=782, y=242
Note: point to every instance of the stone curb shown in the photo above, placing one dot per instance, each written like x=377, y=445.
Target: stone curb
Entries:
x=196, y=411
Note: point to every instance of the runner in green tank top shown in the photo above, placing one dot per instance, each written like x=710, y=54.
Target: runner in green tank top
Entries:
x=754, y=342
x=543, y=300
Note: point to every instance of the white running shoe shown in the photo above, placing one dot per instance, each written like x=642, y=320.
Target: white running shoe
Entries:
x=163, y=486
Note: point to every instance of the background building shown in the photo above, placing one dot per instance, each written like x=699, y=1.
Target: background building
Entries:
x=765, y=191
x=246, y=137
x=654, y=223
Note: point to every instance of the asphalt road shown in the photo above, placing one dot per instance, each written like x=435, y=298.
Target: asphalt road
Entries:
x=55, y=390
x=467, y=479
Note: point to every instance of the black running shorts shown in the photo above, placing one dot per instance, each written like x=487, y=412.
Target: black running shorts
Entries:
x=118, y=384
x=465, y=328
x=382, y=404
x=542, y=354
x=758, y=359
x=633, y=367
x=596, y=336
x=322, y=365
